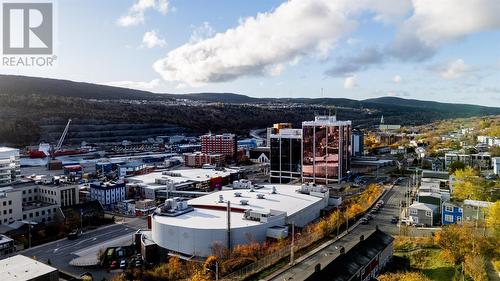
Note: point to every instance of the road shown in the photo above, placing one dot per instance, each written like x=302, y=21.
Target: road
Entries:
x=304, y=266
x=61, y=252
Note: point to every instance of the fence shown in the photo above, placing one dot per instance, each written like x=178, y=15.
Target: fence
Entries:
x=300, y=242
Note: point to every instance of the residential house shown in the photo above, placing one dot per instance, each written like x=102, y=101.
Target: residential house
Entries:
x=451, y=213
x=423, y=213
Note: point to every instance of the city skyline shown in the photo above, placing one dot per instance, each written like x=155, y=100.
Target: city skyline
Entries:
x=412, y=49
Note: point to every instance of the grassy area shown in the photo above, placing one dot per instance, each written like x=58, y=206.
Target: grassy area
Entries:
x=436, y=267
x=431, y=263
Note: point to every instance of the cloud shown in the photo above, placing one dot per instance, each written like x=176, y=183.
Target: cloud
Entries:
x=259, y=44
x=350, y=82
x=266, y=43
x=202, y=32
x=436, y=23
x=397, y=79
x=138, y=85
x=151, y=40
x=453, y=69
x=367, y=57
x=135, y=15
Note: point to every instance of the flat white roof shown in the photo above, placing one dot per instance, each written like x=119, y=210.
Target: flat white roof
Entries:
x=22, y=268
x=286, y=200
x=185, y=175
x=7, y=149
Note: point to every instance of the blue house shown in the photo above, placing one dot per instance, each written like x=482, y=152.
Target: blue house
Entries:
x=451, y=213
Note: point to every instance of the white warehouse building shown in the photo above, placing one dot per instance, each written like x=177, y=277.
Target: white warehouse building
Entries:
x=193, y=227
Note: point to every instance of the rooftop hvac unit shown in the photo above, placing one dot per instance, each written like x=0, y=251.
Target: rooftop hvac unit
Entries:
x=221, y=199
x=260, y=196
x=237, y=194
x=244, y=202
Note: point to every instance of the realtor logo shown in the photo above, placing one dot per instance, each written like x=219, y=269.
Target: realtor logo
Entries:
x=27, y=28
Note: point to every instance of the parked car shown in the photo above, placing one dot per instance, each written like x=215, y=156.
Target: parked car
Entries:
x=380, y=203
x=369, y=217
x=113, y=265
x=123, y=264
x=363, y=221
x=406, y=221
x=138, y=263
x=394, y=220
x=73, y=235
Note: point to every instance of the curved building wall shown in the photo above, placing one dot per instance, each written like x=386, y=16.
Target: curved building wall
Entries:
x=199, y=241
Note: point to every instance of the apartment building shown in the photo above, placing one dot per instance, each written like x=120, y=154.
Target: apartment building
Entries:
x=224, y=144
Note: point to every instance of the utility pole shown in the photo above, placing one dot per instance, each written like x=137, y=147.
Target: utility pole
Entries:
x=29, y=234
x=81, y=220
x=229, y=226
x=347, y=221
x=292, y=246
x=217, y=270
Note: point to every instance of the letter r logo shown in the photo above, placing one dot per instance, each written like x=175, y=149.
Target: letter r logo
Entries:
x=27, y=28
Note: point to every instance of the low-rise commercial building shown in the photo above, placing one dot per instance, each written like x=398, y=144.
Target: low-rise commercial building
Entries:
x=198, y=159
x=10, y=167
x=7, y=246
x=476, y=160
x=23, y=268
x=161, y=185
x=364, y=261
x=194, y=227
x=108, y=193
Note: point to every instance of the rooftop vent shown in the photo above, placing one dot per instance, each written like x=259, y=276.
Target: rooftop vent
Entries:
x=244, y=202
x=260, y=196
x=274, y=190
x=237, y=194
x=252, y=189
x=221, y=199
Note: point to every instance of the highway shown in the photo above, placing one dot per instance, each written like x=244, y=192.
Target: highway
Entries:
x=304, y=266
x=61, y=252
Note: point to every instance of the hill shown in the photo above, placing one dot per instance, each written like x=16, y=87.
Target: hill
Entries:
x=34, y=109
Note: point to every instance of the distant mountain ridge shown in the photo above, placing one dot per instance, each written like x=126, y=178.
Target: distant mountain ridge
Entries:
x=24, y=85
x=37, y=109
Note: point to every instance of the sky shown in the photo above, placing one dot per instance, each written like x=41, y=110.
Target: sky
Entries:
x=446, y=50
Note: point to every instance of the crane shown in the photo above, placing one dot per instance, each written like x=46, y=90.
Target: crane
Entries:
x=63, y=136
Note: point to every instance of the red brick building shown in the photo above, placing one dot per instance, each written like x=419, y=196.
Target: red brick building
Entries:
x=198, y=159
x=224, y=144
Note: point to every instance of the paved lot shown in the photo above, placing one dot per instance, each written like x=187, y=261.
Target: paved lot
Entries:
x=61, y=252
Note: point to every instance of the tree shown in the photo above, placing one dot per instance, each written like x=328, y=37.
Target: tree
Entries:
x=403, y=276
x=456, y=241
x=174, y=268
x=456, y=165
x=493, y=219
x=475, y=267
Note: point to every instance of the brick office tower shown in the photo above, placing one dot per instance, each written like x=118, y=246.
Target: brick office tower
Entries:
x=224, y=144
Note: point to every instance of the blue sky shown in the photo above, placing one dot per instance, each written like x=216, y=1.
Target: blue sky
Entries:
x=445, y=50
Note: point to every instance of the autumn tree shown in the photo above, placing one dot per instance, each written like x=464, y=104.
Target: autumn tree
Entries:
x=403, y=276
x=475, y=267
x=493, y=219
x=174, y=267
